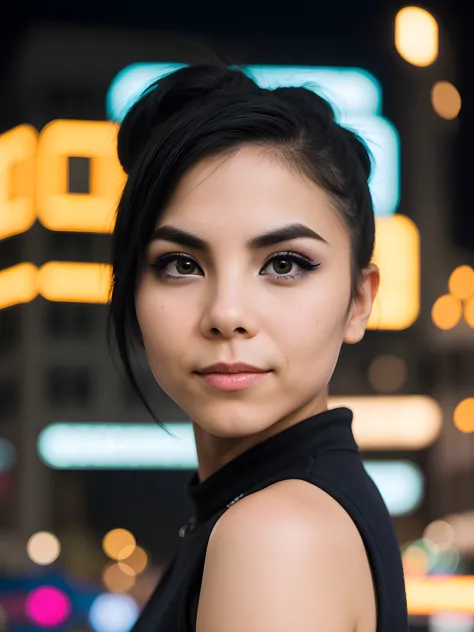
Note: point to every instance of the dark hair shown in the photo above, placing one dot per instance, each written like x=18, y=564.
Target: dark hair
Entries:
x=212, y=110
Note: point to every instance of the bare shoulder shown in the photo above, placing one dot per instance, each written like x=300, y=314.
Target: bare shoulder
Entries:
x=286, y=557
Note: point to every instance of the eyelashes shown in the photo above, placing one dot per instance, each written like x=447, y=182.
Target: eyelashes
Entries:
x=305, y=265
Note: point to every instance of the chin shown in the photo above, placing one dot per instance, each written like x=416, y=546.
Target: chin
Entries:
x=234, y=421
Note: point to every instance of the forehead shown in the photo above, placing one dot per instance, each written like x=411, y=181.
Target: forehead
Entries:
x=247, y=192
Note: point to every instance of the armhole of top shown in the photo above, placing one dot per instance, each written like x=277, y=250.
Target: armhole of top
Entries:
x=370, y=544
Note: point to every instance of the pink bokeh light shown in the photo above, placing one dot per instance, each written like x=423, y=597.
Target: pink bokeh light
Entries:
x=48, y=606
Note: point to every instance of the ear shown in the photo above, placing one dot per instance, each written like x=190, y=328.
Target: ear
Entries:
x=361, y=306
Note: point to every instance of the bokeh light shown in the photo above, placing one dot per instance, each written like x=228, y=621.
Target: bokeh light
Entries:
x=119, y=544
x=446, y=312
x=440, y=533
x=463, y=526
x=416, y=36
x=117, y=579
x=464, y=415
x=446, y=100
x=387, y=373
x=461, y=282
x=422, y=557
x=48, y=607
x=445, y=562
x=136, y=563
x=43, y=548
x=113, y=613
x=469, y=312
x=415, y=559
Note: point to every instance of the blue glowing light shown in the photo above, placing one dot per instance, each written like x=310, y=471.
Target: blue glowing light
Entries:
x=401, y=484
x=113, y=613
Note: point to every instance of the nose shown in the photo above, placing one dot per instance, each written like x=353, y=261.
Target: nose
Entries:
x=229, y=310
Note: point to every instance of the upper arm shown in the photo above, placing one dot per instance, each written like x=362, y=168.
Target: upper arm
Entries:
x=275, y=566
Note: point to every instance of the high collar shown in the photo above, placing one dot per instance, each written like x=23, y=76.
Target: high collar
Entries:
x=329, y=430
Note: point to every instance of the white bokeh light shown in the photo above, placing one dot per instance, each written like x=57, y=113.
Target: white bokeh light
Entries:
x=43, y=548
x=113, y=613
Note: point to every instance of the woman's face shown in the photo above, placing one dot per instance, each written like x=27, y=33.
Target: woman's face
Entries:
x=232, y=302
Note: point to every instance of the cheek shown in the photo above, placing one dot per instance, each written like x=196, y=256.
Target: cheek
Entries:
x=162, y=324
x=165, y=340
x=310, y=332
x=315, y=319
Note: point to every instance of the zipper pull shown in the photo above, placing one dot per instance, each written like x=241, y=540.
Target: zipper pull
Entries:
x=189, y=526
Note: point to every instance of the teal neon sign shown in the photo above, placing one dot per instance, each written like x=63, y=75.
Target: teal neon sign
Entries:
x=355, y=95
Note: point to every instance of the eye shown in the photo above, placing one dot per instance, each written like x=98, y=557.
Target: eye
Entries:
x=283, y=263
x=184, y=265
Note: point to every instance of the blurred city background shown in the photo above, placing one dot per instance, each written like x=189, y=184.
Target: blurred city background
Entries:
x=92, y=492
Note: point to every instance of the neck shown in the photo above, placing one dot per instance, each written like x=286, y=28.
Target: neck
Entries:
x=214, y=452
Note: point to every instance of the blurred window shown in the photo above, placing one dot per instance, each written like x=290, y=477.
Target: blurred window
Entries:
x=10, y=326
x=10, y=251
x=69, y=246
x=69, y=320
x=69, y=386
x=9, y=398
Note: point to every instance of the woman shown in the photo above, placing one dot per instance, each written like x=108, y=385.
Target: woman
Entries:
x=241, y=263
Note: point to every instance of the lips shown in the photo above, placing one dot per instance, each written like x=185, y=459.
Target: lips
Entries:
x=235, y=367
x=234, y=381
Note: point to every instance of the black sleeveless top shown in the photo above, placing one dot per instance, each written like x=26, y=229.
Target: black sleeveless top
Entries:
x=320, y=449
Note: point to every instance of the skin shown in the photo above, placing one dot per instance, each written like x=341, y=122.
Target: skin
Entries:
x=288, y=557
x=226, y=310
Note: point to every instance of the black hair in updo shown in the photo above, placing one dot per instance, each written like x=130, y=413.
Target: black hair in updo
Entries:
x=206, y=110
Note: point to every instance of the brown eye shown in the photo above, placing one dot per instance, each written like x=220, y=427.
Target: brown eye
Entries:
x=185, y=266
x=282, y=265
x=284, y=262
x=174, y=262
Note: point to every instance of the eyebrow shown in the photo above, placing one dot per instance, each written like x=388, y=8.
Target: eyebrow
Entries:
x=284, y=233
